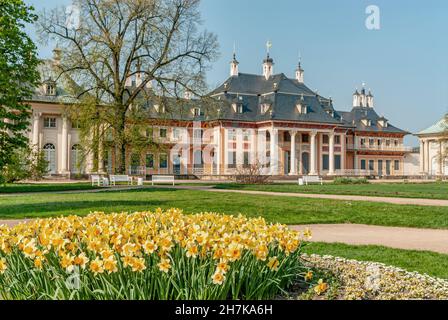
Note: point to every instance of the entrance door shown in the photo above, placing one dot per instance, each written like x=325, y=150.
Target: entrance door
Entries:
x=287, y=162
x=50, y=157
x=305, y=163
x=380, y=167
x=176, y=164
x=388, y=164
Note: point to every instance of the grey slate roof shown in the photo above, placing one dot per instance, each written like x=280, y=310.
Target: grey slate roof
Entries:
x=357, y=114
x=280, y=92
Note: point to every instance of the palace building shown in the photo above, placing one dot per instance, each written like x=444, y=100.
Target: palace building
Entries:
x=268, y=119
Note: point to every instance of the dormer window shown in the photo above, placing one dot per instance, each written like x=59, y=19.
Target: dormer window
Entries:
x=301, y=108
x=383, y=123
x=366, y=122
x=159, y=109
x=237, y=107
x=196, y=112
x=330, y=113
x=50, y=88
x=264, y=108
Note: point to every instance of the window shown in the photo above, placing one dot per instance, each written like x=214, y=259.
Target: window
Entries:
x=149, y=161
x=198, y=133
x=371, y=142
x=163, y=161
x=397, y=165
x=176, y=133
x=149, y=133
x=162, y=133
x=337, y=140
x=49, y=123
x=231, y=135
x=76, y=124
x=240, y=108
x=363, y=164
x=135, y=160
x=325, y=139
x=363, y=142
x=196, y=112
x=387, y=143
x=396, y=143
x=246, y=135
x=302, y=109
x=50, y=88
x=325, y=162
x=246, y=159
x=379, y=142
x=371, y=165
x=286, y=137
x=305, y=138
x=231, y=160
x=337, y=162
x=264, y=108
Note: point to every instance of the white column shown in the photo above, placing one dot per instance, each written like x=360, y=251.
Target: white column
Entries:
x=343, y=152
x=439, y=167
x=313, y=154
x=293, y=165
x=225, y=151
x=422, y=156
x=36, y=127
x=427, y=160
x=64, y=145
x=218, y=151
x=331, y=154
x=274, y=152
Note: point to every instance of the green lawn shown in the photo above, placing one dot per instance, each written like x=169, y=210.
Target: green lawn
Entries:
x=434, y=264
x=289, y=210
x=437, y=190
x=44, y=187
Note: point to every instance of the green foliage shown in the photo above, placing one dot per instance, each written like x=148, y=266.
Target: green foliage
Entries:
x=351, y=181
x=24, y=164
x=18, y=77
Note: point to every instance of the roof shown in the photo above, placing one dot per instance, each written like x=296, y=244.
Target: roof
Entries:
x=440, y=126
x=357, y=114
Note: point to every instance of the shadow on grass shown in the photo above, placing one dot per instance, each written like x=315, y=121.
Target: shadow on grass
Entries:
x=76, y=207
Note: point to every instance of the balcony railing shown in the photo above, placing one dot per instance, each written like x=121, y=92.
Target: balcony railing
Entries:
x=399, y=148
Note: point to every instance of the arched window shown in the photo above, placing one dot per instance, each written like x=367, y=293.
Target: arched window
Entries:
x=76, y=165
x=305, y=163
x=50, y=157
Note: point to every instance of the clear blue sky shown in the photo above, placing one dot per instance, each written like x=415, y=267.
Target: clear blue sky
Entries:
x=405, y=63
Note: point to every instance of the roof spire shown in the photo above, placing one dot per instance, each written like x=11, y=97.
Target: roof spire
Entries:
x=234, y=63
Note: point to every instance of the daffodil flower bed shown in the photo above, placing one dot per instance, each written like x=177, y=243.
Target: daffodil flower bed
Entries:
x=360, y=280
x=148, y=255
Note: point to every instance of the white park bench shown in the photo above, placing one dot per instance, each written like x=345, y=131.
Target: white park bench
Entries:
x=120, y=178
x=162, y=179
x=312, y=179
x=96, y=180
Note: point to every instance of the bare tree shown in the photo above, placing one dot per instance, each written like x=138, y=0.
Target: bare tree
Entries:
x=156, y=42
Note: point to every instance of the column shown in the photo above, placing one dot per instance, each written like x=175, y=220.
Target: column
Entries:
x=64, y=145
x=313, y=154
x=239, y=148
x=293, y=165
x=422, y=156
x=440, y=158
x=218, y=150
x=343, y=153
x=331, y=153
x=36, y=127
x=274, y=152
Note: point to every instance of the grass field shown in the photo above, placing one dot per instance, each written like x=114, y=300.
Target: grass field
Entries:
x=44, y=187
x=434, y=264
x=289, y=210
x=400, y=190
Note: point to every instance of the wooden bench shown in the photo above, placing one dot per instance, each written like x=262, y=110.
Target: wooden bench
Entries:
x=162, y=179
x=96, y=180
x=120, y=178
x=312, y=179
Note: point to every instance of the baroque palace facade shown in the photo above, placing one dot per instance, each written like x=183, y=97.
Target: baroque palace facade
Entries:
x=268, y=119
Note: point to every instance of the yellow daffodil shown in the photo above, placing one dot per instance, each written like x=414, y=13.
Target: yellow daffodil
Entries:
x=321, y=287
x=110, y=264
x=81, y=260
x=97, y=266
x=273, y=264
x=218, y=278
x=2, y=265
x=164, y=265
x=308, y=276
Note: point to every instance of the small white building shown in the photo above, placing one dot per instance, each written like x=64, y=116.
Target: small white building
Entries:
x=433, y=147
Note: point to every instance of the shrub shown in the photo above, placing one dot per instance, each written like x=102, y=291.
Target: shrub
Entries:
x=24, y=164
x=251, y=174
x=160, y=255
x=344, y=180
